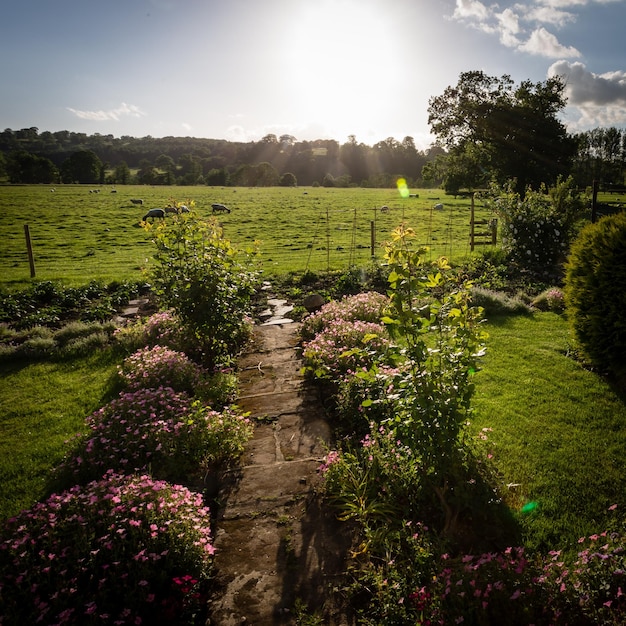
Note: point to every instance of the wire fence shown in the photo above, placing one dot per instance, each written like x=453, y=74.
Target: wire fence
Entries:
x=337, y=239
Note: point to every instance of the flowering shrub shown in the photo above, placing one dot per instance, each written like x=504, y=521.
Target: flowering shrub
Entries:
x=121, y=550
x=153, y=367
x=365, y=397
x=366, y=307
x=161, y=429
x=161, y=328
x=377, y=483
x=344, y=346
x=491, y=588
x=538, y=228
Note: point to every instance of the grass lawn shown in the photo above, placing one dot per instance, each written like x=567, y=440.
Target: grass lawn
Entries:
x=558, y=430
x=42, y=405
x=77, y=235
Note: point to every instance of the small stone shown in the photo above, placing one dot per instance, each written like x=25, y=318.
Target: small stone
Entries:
x=313, y=302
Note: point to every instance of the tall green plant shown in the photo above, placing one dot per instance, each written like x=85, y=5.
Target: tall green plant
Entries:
x=207, y=281
x=440, y=341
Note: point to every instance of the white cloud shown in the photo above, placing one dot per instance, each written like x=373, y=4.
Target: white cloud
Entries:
x=599, y=100
x=522, y=26
x=584, y=87
x=111, y=114
x=548, y=15
x=509, y=28
x=543, y=43
x=471, y=9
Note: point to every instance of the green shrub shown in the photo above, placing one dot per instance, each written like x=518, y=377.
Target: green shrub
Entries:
x=537, y=228
x=595, y=294
x=207, y=282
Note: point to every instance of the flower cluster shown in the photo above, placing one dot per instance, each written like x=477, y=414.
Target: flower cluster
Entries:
x=593, y=584
x=366, y=307
x=161, y=429
x=344, y=346
x=493, y=585
x=162, y=328
x=551, y=299
x=110, y=552
x=151, y=367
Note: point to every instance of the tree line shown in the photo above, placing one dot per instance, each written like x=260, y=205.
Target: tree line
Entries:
x=487, y=130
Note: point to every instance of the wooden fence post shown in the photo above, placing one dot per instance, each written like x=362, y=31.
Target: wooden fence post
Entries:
x=373, y=238
x=29, y=248
x=594, y=202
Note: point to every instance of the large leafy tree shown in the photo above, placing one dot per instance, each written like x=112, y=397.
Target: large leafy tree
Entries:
x=23, y=167
x=82, y=166
x=511, y=132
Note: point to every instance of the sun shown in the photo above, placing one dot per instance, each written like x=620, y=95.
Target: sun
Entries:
x=340, y=56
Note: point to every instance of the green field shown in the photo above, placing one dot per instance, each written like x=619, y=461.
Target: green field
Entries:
x=78, y=236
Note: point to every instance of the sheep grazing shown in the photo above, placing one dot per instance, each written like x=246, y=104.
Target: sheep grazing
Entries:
x=177, y=210
x=137, y=201
x=220, y=208
x=154, y=214
x=384, y=208
x=438, y=206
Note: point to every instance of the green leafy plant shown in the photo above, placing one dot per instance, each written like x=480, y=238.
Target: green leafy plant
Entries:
x=440, y=342
x=208, y=283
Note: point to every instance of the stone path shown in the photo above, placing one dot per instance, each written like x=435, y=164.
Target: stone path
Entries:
x=277, y=548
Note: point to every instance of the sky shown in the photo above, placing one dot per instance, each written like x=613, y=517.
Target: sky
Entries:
x=314, y=69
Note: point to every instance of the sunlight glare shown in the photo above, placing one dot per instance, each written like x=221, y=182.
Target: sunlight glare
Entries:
x=342, y=59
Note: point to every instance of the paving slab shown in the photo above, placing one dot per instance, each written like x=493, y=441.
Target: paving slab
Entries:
x=276, y=544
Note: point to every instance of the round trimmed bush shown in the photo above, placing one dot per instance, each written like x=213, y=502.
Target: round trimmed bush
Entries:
x=595, y=294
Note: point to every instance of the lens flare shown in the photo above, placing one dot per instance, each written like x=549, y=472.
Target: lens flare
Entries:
x=529, y=507
x=403, y=188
